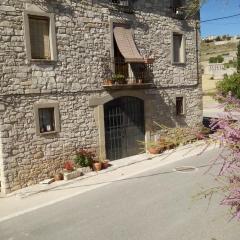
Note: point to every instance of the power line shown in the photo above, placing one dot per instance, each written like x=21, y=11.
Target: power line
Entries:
x=215, y=19
x=228, y=23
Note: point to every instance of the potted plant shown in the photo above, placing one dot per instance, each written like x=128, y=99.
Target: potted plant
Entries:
x=105, y=163
x=58, y=177
x=108, y=82
x=97, y=165
x=148, y=60
x=119, y=78
x=70, y=171
x=153, y=148
x=84, y=157
x=68, y=166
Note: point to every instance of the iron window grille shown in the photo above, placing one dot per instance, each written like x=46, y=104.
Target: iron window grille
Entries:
x=178, y=9
x=123, y=5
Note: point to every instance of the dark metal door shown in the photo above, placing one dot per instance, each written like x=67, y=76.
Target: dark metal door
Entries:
x=124, y=127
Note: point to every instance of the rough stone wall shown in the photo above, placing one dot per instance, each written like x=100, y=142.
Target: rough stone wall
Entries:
x=83, y=46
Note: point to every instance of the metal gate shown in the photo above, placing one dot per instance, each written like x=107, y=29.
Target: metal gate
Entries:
x=124, y=127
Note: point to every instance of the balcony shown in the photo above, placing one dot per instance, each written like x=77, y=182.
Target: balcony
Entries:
x=129, y=75
x=122, y=5
x=178, y=12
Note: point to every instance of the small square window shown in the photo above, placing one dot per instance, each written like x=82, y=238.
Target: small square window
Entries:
x=179, y=106
x=39, y=37
x=46, y=120
x=178, y=51
x=47, y=117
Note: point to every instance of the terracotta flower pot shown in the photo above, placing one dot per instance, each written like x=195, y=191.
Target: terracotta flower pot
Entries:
x=148, y=60
x=105, y=164
x=97, y=166
x=108, y=82
x=153, y=150
x=58, y=177
x=199, y=136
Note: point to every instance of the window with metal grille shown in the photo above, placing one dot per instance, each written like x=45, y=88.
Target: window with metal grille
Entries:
x=46, y=120
x=178, y=48
x=177, y=4
x=121, y=2
x=39, y=37
x=179, y=106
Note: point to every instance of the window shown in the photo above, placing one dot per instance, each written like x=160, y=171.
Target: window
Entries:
x=40, y=36
x=178, y=48
x=123, y=5
x=176, y=4
x=180, y=106
x=46, y=117
x=120, y=2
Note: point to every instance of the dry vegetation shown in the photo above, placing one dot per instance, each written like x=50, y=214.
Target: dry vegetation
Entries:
x=211, y=50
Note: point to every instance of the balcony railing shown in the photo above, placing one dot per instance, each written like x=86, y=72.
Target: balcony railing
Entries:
x=124, y=74
x=122, y=5
x=178, y=12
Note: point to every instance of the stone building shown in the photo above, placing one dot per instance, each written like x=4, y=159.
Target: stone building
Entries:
x=58, y=59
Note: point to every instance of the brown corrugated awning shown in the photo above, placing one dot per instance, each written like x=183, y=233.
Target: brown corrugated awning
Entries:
x=126, y=45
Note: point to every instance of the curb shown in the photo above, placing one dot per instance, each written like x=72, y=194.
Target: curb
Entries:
x=110, y=169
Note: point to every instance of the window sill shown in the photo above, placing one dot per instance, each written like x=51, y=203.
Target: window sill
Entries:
x=47, y=133
x=43, y=61
x=179, y=63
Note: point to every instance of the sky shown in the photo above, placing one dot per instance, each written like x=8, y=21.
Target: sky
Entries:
x=220, y=8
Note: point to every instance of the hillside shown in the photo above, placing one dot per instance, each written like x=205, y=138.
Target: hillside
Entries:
x=211, y=50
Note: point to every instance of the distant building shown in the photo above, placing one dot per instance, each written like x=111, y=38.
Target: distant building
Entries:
x=218, y=70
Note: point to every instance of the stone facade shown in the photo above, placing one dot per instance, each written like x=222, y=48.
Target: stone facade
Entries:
x=74, y=80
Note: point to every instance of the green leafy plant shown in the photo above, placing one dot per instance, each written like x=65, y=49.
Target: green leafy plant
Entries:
x=230, y=84
x=218, y=59
x=84, y=157
x=118, y=78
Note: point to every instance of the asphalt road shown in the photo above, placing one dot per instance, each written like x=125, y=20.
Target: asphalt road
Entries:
x=156, y=205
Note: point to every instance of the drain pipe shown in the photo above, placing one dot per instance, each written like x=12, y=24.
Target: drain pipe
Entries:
x=197, y=50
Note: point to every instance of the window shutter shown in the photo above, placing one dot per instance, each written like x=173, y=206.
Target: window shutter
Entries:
x=177, y=46
x=39, y=37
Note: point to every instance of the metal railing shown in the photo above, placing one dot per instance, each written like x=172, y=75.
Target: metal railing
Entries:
x=178, y=12
x=123, y=5
x=130, y=73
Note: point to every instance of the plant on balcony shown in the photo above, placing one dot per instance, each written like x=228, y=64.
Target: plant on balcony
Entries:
x=148, y=60
x=108, y=82
x=119, y=79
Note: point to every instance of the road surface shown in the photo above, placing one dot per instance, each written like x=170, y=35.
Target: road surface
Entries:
x=156, y=205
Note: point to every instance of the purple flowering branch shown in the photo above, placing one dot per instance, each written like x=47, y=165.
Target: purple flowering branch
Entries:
x=228, y=135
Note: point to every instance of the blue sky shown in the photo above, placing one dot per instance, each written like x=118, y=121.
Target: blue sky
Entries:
x=220, y=8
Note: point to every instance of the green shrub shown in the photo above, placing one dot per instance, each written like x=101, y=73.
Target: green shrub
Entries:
x=218, y=59
x=230, y=84
x=84, y=157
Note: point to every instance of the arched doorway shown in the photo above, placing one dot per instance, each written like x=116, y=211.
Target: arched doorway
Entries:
x=124, y=127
